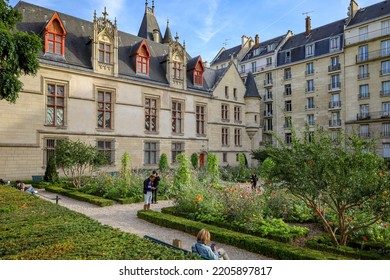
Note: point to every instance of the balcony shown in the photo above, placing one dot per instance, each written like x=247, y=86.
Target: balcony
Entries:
x=364, y=134
x=363, y=57
x=367, y=37
x=333, y=68
x=363, y=116
x=268, y=83
x=268, y=97
x=334, y=86
x=334, y=105
x=364, y=95
x=334, y=123
x=384, y=71
x=309, y=90
x=309, y=107
x=309, y=73
x=363, y=76
x=385, y=92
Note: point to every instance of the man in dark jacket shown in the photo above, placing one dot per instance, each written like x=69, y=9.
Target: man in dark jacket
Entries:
x=148, y=188
x=155, y=184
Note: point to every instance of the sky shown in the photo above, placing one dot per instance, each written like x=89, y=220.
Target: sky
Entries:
x=206, y=26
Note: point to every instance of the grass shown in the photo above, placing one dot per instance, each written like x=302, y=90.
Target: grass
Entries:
x=34, y=229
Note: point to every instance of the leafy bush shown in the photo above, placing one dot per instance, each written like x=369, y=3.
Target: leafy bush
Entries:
x=163, y=165
x=195, y=160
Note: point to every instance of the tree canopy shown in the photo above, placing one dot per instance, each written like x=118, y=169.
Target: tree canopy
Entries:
x=342, y=180
x=18, y=53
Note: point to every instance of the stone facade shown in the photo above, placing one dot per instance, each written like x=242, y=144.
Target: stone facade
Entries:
x=106, y=100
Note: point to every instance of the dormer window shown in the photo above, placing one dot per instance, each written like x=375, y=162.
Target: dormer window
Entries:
x=198, y=73
x=105, y=53
x=55, y=36
x=141, y=57
x=177, y=70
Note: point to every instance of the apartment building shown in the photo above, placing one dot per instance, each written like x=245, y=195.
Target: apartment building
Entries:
x=335, y=77
x=367, y=68
x=142, y=94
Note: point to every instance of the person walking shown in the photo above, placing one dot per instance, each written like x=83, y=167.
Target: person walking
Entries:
x=254, y=180
x=148, y=188
x=155, y=185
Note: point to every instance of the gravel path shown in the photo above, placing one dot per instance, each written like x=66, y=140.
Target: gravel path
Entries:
x=124, y=217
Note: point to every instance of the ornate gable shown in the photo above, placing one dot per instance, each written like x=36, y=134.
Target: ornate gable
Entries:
x=105, y=45
x=176, y=66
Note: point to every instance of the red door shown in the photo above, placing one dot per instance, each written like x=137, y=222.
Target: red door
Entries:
x=201, y=160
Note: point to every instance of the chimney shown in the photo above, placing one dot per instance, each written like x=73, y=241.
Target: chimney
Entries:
x=257, y=40
x=206, y=64
x=352, y=9
x=308, y=26
x=156, y=35
x=244, y=39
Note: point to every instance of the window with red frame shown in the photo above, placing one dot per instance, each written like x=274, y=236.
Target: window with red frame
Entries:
x=143, y=61
x=55, y=106
x=104, y=109
x=198, y=78
x=55, y=39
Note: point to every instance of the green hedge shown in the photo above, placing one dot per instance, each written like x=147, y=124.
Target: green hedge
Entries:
x=32, y=228
x=80, y=196
x=286, y=237
x=323, y=243
x=266, y=247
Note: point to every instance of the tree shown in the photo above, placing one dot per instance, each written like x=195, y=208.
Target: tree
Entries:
x=183, y=175
x=125, y=167
x=343, y=181
x=212, y=168
x=51, y=174
x=163, y=164
x=195, y=160
x=18, y=53
x=75, y=158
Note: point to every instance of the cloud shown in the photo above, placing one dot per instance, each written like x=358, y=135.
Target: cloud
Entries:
x=209, y=28
x=114, y=8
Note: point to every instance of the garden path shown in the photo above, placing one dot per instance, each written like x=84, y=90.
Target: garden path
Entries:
x=124, y=217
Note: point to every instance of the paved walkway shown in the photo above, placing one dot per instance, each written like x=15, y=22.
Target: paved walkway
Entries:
x=124, y=217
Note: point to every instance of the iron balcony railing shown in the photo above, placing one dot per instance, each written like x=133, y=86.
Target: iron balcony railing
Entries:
x=336, y=67
x=335, y=123
x=334, y=104
x=362, y=57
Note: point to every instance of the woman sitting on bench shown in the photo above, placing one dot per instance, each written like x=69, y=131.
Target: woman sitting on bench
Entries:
x=207, y=252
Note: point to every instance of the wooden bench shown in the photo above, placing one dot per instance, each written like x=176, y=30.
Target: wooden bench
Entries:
x=167, y=244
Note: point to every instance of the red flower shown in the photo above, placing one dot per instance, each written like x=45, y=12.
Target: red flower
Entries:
x=365, y=238
x=310, y=162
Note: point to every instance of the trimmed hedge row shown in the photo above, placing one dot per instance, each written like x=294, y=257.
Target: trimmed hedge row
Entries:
x=285, y=238
x=266, y=247
x=80, y=196
x=321, y=243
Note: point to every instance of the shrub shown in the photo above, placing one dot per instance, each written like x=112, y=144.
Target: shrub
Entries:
x=51, y=174
x=163, y=163
x=195, y=160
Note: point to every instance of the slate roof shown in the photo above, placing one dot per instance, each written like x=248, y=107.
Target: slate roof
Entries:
x=251, y=87
x=263, y=47
x=371, y=12
x=78, y=51
x=149, y=23
x=225, y=55
x=316, y=34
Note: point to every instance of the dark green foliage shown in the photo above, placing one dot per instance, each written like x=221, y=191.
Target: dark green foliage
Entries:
x=18, y=53
x=51, y=174
x=195, y=160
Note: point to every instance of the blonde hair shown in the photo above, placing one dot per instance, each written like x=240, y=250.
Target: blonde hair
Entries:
x=204, y=236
